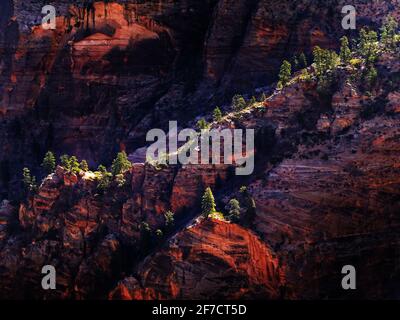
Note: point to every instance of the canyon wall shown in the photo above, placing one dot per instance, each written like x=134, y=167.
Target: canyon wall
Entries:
x=324, y=194
x=111, y=71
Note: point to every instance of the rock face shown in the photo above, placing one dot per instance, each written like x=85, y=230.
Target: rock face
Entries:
x=91, y=237
x=339, y=186
x=113, y=70
x=210, y=260
x=324, y=194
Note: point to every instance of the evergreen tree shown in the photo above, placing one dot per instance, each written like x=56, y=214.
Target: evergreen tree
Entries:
x=296, y=62
x=28, y=180
x=345, y=53
x=145, y=227
x=285, y=73
x=318, y=60
x=233, y=208
x=243, y=190
x=207, y=203
x=303, y=61
x=71, y=164
x=104, y=179
x=120, y=164
x=238, y=102
x=389, y=32
x=120, y=180
x=169, y=219
x=159, y=235
x=202, y=124
x=368, y=45
x=49, y=162
x=333, y=59
x=370, y=76
x=84, y=165
x=217, y=114
x=74, y=165
x=305, y=76
x=324, y=60
x=64, y=161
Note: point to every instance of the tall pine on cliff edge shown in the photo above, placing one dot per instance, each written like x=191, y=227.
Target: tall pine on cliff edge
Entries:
x=284, y=74
x=207, y=203
x=49, y=162
x=120, y=164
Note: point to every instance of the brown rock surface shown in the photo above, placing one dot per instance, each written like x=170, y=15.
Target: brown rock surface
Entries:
x=210, y=260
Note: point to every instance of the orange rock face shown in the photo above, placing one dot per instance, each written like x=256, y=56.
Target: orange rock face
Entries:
x=210, y=260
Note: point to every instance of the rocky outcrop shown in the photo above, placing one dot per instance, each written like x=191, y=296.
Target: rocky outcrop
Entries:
x=339, y=186
x=209, y=260
x=89, y=236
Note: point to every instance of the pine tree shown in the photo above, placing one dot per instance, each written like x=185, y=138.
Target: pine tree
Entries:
x=305, y=76
x=74, y=165
x=243, y=190
x=207, y=203
x=159, y=234
x=145, y=227
x=368, y=45
x=285, y=73
x=71, y=164
x=104, y=179
x=84, y=165
x=169, y=219
x=202, y=124
x=233, y=208
x=318, y=60
x=296, y=62
x=238, y=102
x=217, y=114
x=324, y=60
x=389, y=32
x=370, y=76
x=49, y=162
x=120, y=164
x=28, y=180
x=120, y=180
x=303, y=61
x=345, y=53
x=333, y=60
x=64, y=161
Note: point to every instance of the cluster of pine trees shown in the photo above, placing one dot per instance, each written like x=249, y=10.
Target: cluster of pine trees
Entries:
x=367, y=48
x=119, y=166
x=232, y=210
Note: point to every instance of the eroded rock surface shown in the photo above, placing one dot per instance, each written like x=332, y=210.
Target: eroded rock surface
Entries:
x=210, y=260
